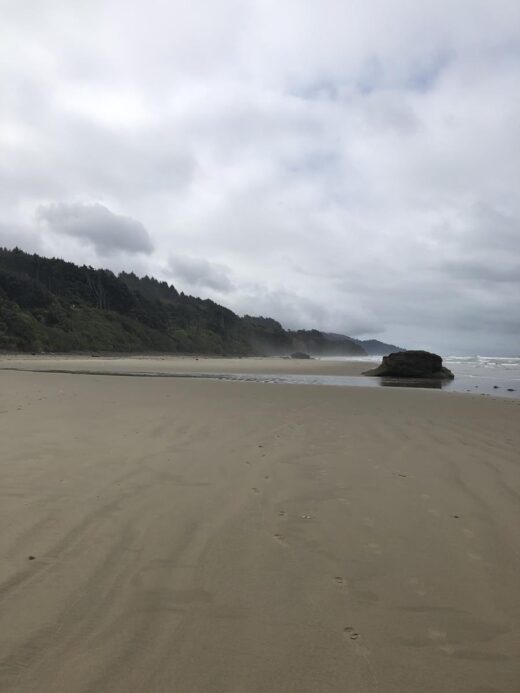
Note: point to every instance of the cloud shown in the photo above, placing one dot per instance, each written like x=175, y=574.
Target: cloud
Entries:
x=12, y=235
x=96, y=224
x=352, y=166
x=199, y=273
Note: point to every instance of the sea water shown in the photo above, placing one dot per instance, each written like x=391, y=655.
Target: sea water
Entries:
x=496, y=375
x=481, y=375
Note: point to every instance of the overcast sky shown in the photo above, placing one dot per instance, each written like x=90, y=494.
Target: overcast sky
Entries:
x=352, y=166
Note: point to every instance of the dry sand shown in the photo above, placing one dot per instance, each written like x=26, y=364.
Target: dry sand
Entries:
x=195, y=536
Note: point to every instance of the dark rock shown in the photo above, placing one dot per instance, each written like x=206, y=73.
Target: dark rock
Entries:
x=300, y=355
x=511, y=389
x=412, y=364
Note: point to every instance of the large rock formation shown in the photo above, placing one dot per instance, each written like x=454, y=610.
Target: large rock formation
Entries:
x=412, y=364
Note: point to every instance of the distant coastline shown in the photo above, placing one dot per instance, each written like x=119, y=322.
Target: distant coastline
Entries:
x=48, y=305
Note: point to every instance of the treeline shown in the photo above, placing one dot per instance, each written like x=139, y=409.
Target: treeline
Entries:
x=49, y=305
x=53, y=305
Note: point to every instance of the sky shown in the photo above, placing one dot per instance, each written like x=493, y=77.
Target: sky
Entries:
x=352, y=166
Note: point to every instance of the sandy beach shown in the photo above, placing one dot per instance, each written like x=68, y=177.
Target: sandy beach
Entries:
x=184, y=364
x=166, y=535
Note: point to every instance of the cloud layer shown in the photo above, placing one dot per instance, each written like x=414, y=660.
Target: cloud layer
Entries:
x=351, y=166
x=108, y=232
x=200, y=273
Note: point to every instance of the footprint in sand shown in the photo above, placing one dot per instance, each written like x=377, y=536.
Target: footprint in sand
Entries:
x=282, y=513
x=362, y=651
x=343, y=501
x=339, y=580
x=448, y=649
x=437, y=635
x=255, y=490
x=440, y=638
x=280, y=539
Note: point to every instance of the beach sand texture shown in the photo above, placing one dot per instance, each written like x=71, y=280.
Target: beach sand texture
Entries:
x=191, y=536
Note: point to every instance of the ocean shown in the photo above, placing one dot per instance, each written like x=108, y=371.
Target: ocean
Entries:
x=491, y=376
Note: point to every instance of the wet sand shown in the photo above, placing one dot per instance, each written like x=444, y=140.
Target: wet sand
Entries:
x=202, y=536
x=185, y=364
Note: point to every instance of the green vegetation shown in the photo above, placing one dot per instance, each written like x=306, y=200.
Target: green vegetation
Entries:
x=52, y=305
x=49, y=305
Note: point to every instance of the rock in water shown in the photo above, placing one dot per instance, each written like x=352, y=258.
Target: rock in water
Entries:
x=300, y=355
x=412, y=364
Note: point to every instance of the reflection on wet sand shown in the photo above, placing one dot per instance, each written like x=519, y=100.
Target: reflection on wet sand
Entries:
x=497, y=386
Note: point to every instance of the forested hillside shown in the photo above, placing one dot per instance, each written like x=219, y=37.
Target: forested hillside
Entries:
x=49, y=305
x=52, y=305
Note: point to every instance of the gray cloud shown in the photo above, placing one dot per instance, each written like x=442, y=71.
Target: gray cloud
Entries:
x=354, y=165
x=12, y=235
x=96, y=224
x=199, y=273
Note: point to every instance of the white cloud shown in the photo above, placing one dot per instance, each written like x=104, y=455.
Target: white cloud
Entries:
x=352, y=166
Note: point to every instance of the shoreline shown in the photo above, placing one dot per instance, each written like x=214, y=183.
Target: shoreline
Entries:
x=271, y=370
